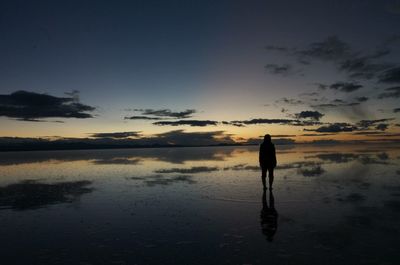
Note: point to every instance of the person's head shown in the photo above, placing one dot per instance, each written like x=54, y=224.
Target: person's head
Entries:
x=267, y=138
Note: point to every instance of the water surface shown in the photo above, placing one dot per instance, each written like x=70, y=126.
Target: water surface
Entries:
x=330, y=205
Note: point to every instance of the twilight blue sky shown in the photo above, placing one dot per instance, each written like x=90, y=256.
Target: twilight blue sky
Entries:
x=209, y=56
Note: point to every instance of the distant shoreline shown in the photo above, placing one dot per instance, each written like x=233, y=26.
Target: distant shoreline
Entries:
x=28, y=147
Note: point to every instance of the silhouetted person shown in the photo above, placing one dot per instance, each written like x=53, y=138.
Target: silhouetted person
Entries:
x=267, y=160
x=269, y=216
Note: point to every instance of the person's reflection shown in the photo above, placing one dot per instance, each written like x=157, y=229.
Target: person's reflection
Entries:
x=269, y=216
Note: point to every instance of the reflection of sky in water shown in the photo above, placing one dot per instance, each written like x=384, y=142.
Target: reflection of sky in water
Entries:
x=170, y=206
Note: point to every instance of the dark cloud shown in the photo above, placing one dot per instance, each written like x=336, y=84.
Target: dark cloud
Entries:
x=330, y=49
x=198, y=123
x=31, y=106
x=366, y=124
x=117, y=161
x=315, y=115
x=290, y=101
x=116, y=134
x=345, y=86
x=334, y=128
x=283, y=141
x=382, y=126
x=378, y=124
x=362, y=99
x=363, y=66
x=396, y=110
x=317, y=134
x=356, y=64
x=335, y=105
x=142, y=118
x=233, y=124
x=284, y=69
x=277, y=121
x=390, y=76
x=391, y=92
x=167, y=113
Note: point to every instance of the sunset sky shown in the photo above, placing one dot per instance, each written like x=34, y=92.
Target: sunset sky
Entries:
x=304, y=70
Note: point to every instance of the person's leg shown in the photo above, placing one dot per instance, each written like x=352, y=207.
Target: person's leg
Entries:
x=263, y=177
x=270, y=177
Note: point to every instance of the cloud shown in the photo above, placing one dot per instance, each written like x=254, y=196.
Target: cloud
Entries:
x=345, y=86
x=381, y=127
x=390, y=76
x=233, y=123
x=117, y=161
x=31, y=106
x=330, y=49
x=290, y=101
x=362, y=99
x=316, y=134
x=167, y=113
x=378, y=124
x=284, y=69
x=334, y=128
x=396, y=110
x=116, y=134
x=277, y=121
x=392, y=92
x=363, y=66
x=193, y=123
x=335, y=105
x=142, y=118
x=366, y=124
x=356, y=64
x=314, y=115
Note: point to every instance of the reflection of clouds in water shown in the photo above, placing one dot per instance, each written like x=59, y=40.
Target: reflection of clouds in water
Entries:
x=120, y=156
x=154, y=180
x=243, y=167
x=298, y=164
x=353, y=197
x=365, y=159
x=312, y=172
x=30, y=194
x=191, y=170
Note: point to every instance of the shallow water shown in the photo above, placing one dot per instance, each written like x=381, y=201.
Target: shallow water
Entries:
x=330, y=205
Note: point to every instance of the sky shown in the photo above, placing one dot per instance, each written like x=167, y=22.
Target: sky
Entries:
x=236, y=70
